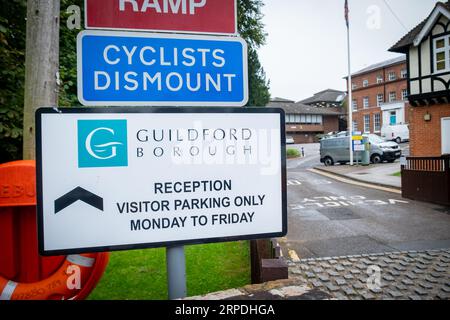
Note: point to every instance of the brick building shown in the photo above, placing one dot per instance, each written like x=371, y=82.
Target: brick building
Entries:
x=304, y=122
x=380, y=95
x=427, y=49
x=330, y=98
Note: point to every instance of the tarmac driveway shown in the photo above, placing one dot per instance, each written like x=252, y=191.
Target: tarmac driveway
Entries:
x=327, y=218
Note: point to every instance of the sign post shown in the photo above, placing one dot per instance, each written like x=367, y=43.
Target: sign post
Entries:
x=176, y=272
x=357, y=146
x=117, y=68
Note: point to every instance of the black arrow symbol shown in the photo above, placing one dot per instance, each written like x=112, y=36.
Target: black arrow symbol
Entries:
x=78, y=194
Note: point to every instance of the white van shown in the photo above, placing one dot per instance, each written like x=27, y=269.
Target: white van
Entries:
x=395, y=132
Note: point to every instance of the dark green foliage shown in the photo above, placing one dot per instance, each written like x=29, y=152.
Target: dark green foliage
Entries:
x=68, y=57
x=12, y=65
x=12, y=77
x=251, y=29
x=292, y=153
x=258, y=85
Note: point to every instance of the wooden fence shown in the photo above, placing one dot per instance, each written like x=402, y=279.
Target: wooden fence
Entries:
x=427, y=179
x=266, y=261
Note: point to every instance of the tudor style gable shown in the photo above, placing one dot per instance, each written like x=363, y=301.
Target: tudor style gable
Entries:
x=428, y=58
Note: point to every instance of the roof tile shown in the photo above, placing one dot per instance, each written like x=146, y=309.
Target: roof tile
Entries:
x=408, y=39
x=328, y=95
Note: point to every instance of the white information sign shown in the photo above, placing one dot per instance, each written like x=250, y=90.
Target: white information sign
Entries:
x=120, y=178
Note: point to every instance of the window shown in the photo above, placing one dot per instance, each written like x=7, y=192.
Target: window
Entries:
x=375, y=139
x=367, y=123
x=319, y=119
x=305, y=118
x=442, y=54
x=392, y=96
x=392, y=76
x=355, y=105
x=376, y=122
x=366, y=102
x=379, y=78
x=354, y=86
x=292, y=118
x=404, y=94
x=380, y=99
x=404, y=73
x=365, y=83
x=355, y=126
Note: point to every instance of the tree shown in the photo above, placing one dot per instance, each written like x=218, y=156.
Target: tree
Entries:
x=13, y=19
x=258, y=85
x=12, y=77
x=12, y=72
x=251, y=29
x=68, y=57
x=41, y=66
x=12, y=65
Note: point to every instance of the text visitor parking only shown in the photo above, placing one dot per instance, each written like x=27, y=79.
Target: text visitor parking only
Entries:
x=161, y=70
x=115, y=178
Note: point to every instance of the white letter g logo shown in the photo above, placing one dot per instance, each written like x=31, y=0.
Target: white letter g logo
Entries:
x=101, y=148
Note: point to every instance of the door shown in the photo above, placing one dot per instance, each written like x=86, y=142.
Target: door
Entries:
x=445, y=135
x=393, y=118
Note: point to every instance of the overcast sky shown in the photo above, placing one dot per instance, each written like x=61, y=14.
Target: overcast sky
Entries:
x=306, y=50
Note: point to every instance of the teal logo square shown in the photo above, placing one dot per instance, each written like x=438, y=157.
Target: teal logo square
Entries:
x=102, y=143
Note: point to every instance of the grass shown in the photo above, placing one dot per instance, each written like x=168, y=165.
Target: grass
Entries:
x=141, y=274
x=292, y=153
x=397, y=174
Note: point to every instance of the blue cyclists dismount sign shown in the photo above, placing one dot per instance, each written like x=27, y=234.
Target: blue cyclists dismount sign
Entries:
x=132, y=69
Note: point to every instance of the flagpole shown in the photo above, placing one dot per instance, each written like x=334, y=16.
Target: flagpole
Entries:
x=350, y=99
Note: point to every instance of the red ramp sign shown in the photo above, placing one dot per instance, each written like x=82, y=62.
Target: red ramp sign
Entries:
x=188, y=16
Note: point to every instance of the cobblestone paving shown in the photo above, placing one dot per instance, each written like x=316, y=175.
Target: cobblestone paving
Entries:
x=394, y=275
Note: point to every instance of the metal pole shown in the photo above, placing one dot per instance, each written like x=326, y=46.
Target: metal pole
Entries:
x=176, y=272
x=350, y=98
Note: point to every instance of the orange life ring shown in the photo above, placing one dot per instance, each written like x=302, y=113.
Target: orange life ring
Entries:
x=74, y=280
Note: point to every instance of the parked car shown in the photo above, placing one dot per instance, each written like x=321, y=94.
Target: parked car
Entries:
x=396, y=132
x=336, y=149
x=289, y=140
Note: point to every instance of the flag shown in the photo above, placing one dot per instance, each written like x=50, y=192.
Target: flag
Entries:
x=346, y=13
